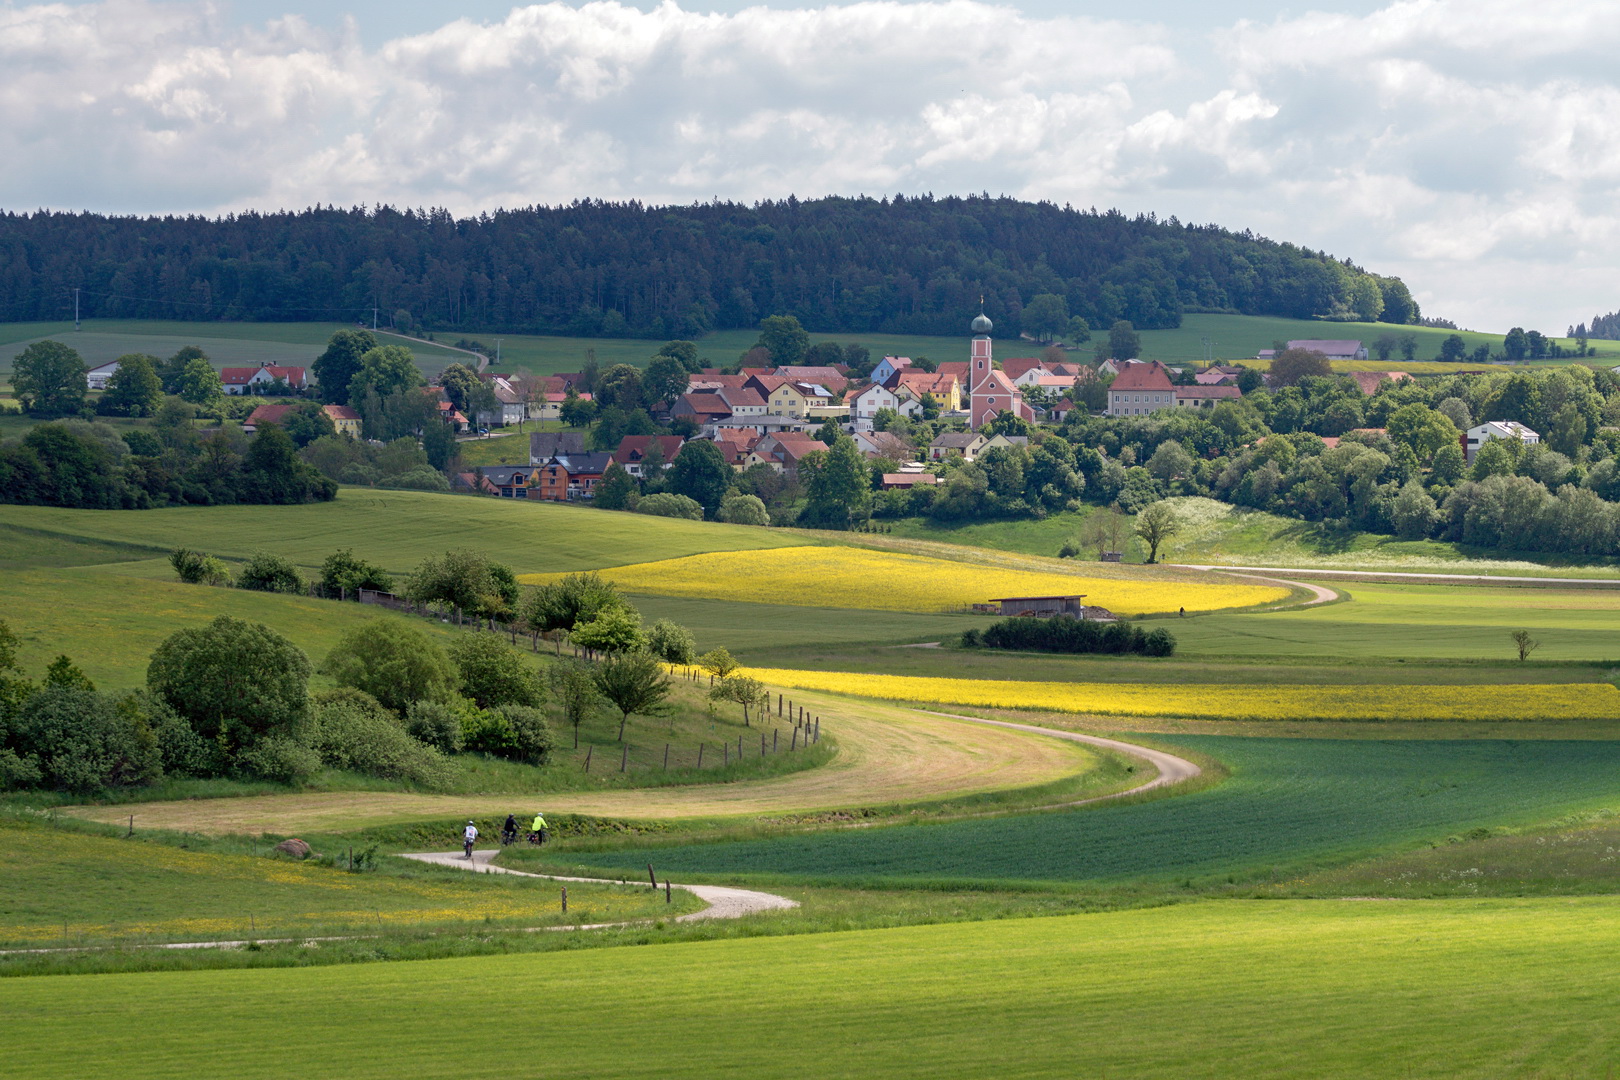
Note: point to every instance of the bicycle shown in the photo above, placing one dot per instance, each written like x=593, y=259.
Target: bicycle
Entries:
x=537, y=838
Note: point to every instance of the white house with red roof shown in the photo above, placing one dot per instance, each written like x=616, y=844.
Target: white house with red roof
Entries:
x=865, y=403
x=633, y=451
x=248, y=380
x=990, y=391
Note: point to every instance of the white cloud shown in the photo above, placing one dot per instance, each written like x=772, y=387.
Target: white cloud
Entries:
x=1472, y=144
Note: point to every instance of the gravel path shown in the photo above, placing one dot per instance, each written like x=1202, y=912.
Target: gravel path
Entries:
x=724, y=902
x=1418, y=578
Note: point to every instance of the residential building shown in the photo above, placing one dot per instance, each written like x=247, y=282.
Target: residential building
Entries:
x=1140, y=389
x=946, y=390
x=1019, y=366
x=510, y=407
x=509, y=481
x=633, y=451
x=827, y=377
x=959, y=368
x=96, y=378
x=548, y=404
x=886, y=369
x=785, y=397
x=1206, y=397
x=783, y=452
x=545, y=445
x=451, y=415
x=963, y=444
x=736, y=444
x=743, y=400
x=884, y=444
x=255, y=380
x=865, y=403
x=1005, y=442
x=1217, y=375
x=345, y=419
x=703, y=409
x=570, y=477
x=1481, y=434
x=991, y=392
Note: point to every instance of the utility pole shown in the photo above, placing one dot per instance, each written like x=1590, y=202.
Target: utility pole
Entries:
x=497, y=353
x=374, y=316
x=75, y=309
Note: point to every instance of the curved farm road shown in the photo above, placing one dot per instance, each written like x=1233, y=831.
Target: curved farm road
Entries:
x=724, y=902
x=886, y=755
x=1171, y=769
x=1320, y=594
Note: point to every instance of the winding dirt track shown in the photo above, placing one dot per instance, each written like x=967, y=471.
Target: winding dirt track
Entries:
x=724, y=902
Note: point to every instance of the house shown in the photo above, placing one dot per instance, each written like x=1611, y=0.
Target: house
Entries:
x=266, y=414
x=743, y=400
x=1481, y=434
x=829, y=378
x=452, y=416
x=710, y=380
x=908, y=480
x=247, y=380
x=1140, y=389
x=1019, y=366
x=570, y=477
x=1114, y=367
x=758, y=425
x=345, y=419
x=510, y=407
x=96, y=378
x=864, y=404
x=784, y=452
x=785, y=397
x=889, y=367
x=633, y=450
x=509, y=481
x=1217, y=375
x=959, y=368
x=735, y=444
x=1004, y=442
x=963, y=444
x=884, y=444
x=704, y=410
x=548, y=404
x=1333, y=349
x=1206, y=397
x=1369, y=380
x=946, y=390
x=546, y=445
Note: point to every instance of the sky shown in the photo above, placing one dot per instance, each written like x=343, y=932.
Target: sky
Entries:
x=1470, y=146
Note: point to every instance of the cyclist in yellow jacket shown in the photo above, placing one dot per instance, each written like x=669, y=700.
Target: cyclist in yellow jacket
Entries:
x=539, y=828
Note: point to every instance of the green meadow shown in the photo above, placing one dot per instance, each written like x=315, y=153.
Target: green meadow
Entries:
x=1455, y=989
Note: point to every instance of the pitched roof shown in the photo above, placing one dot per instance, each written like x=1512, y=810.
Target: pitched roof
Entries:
x=237, y=376
x=998, y=384
x=544, y=445
x=1225, y=391
x=959, y=368
x=884, y=444
x=872, y=388
x=789, y=445
x=740, y=397
x=924, y=382
x=1148, y=376
x=1369, y=380
x=594, y=463
x=817, y=373
x=240, y=376
x=340, y=412
x=634, y=447
x=1327, y=346
x=955, y=440
x=702, y=405
x=908, y=479
x=1019, y=366
x=706, y=381
x=269, y=414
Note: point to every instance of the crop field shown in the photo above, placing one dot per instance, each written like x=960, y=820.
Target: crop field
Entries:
x=399, y=528
x=1565, y=701
x=1453, y=989
x=63, y=887
x=1287, y=803
x=894, y=581
x=885, y=757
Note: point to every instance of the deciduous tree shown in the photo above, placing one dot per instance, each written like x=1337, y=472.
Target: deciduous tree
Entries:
x=48, y=379
x=394, y=662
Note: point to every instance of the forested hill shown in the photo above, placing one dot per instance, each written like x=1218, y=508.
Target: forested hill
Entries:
x=914, y=266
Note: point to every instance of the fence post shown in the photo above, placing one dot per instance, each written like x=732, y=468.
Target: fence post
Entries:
x=778, y=704
x=666, y=890
x=565, y=899
x=131, y=825
x=666, y=756
x=700, y=755
x=652, y=876
x=773, y=740
x=725, y=748
x=818, y=729
x=739, y=749
x=795, y=745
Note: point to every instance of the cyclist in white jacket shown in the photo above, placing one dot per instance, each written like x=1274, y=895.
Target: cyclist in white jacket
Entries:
x=468, y=835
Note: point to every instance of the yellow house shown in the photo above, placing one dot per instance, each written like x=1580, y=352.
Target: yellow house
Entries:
x=786, y=398
x=947, y=389
x=345, y=419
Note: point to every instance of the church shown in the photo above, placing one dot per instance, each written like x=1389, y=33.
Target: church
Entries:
x=990, y=391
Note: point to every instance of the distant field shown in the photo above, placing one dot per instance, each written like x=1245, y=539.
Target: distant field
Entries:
x=227, y=344
x=1451, y=989
x=1286, y=803
x=893, y=581
x=399, y=528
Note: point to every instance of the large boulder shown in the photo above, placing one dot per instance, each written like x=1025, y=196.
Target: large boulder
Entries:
x=297, y=849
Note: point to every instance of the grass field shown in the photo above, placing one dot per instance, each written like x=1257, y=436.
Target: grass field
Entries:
x=61, y=887
x=1456, y=989
x=893, y=581
x=886, y=757
x=1288, y=804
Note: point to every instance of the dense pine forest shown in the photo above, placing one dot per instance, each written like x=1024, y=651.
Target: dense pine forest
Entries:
x=901, y=265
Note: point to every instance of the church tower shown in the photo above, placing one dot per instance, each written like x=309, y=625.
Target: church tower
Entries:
x=989, y=391
x=982, y=364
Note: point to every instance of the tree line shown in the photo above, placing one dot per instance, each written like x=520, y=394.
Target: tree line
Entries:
x=592, y=268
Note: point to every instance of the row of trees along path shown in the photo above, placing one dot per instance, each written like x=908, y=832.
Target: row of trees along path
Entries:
x=806, y=729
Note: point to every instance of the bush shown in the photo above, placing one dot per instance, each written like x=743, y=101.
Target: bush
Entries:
x=667, y=504
x=342, y=574
x=234, y=682
x=1069, y=550
x=195, y=568
x=492, y=673
x=514, y=732
x=743, y=510
x=276, y=757
x=265, y=572
x=181, y=750
x=17, y=772
x=422, y=478
x=351, y=730
x=394, y=662
x=971, y=639
x=671, y=642
x=1066, y=634
x=79, y=741
x=435, y=724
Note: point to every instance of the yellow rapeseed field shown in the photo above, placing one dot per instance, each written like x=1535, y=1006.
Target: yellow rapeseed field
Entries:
x=1563, y=701
x=851, y=577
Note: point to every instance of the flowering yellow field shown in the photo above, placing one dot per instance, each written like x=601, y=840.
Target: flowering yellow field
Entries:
x=851, y=577
x=1563, y=701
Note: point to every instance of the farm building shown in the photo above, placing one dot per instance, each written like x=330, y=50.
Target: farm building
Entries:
x=1042, y=606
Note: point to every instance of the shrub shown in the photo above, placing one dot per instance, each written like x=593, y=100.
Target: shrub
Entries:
x=668, y=504
x=79, y=741
x=234, y=682
x=671, y=642
x=422, y=478
x=971, y=639
x=344, y=574
x=351, y=730
x=435, y=724
x=195, y=568
x=492, y=673
x=1066, y=634
x=394, y=662
x=279, y=758
x=514, y=732
x=265, y=572
x=743, y=510
x=181, y=750
x=17, y=772
x=1069, y=550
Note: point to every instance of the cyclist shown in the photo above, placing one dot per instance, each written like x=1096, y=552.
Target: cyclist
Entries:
x=537, y=833
x=509, y=830
x=468, y=835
